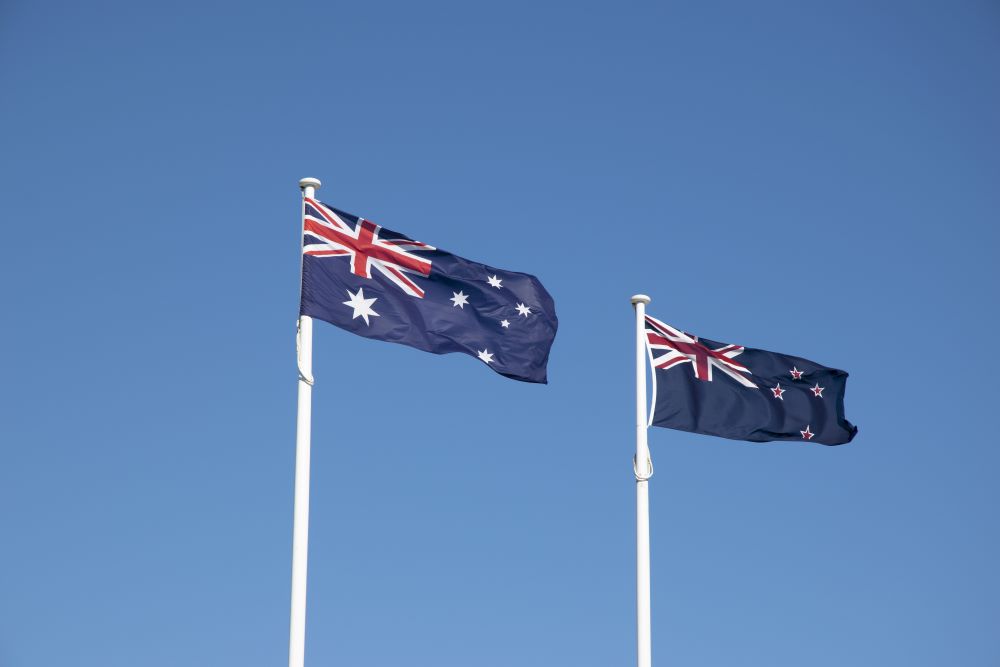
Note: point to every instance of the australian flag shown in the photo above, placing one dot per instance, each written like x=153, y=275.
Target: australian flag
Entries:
x=381, y=284
x=741, y=393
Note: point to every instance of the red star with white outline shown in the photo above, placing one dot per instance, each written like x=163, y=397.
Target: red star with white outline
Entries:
x=778, y=391
x=807, y=434
x=817, y=390
x=796, y=373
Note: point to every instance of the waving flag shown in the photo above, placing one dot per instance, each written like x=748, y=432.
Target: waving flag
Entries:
x=380, y=284
x=742, y=393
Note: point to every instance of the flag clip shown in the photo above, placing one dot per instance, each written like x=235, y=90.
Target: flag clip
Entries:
x=642, y=477
x=308, y=379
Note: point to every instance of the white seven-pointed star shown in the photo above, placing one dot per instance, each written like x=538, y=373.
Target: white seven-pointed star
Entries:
x=459, y=299
x=778, y=391
x=523, y=310
x=505, y=324
x=796, y=373
x=818, y=391
x=362, y=306
x=494, y=281
x=807, y=434
x=486, y=356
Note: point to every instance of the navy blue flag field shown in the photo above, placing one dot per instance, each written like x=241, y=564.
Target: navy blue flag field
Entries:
x=380, y=284
x=742, y=393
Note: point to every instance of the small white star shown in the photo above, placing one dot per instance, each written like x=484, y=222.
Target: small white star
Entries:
x=459, y=299
x=505, y=324
x=778, y=391
x=818, y=391
x=796, y=373
x=362, y=306
x=486, y=356
x=523, y=309
x=494, y=281
x=807, y=434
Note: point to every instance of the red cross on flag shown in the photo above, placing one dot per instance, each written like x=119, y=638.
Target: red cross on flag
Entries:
x=332, y=236
x=669, y=346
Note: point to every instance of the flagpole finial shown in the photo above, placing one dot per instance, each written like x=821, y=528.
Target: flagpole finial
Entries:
x=310, y=183
x=640, y=298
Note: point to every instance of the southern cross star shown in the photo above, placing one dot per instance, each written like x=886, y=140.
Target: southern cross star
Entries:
x=807, y=434
x=505, y=324
x=486, y=356
x=362, y=306
x=796, y=373
x=494, y=281
x=459, y=299
x=817, y=390
x=778, y=391
x=523, y=309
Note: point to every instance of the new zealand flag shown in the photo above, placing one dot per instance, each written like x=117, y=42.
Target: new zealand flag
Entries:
x=742, y=393
x=380, y=284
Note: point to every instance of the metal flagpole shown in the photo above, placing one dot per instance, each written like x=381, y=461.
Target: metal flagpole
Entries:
x=643, y=468
x=303, y=432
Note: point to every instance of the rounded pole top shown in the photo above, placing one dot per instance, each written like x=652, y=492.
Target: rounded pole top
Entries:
x=640, y=298
x=310, y=183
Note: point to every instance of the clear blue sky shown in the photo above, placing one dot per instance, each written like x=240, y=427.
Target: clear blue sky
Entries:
x=819, y=179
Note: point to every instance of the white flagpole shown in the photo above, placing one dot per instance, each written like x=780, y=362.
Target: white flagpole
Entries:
x=303, y=433
x=643, y=468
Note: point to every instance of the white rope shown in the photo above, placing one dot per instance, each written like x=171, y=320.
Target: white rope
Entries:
x=308, y=379
x=635, y=468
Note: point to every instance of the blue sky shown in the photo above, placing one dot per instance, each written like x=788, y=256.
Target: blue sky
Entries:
x=813, y=178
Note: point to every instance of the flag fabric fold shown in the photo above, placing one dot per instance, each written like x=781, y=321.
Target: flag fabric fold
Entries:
x=742, y=393
x=381, y=284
